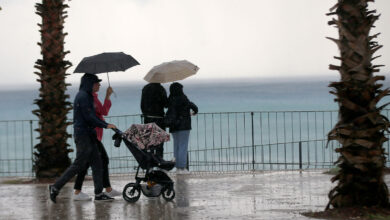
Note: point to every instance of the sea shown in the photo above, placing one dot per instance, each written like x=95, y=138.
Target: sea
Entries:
x=290, y=116
x=214, y=95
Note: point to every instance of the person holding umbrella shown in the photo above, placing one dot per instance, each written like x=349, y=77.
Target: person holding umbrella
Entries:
x=101, y=110
x=178, y=117
x=87, y=151
x=153, y=101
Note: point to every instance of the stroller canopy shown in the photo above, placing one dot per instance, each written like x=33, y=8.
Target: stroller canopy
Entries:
x=146, y=135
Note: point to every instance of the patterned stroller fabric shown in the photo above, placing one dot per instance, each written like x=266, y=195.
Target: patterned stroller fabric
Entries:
x=146, y=135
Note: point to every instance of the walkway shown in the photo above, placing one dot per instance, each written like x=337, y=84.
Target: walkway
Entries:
x=271, y=195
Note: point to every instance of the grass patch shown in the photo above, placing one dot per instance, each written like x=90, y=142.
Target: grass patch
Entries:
x=378, y=217
x=18, y=181
x=361, y=213
x=13, y=181
x=333, y=171
x=27, y=181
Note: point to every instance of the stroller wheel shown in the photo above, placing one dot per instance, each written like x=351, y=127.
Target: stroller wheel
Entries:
x=168, y=194
x=131, y=192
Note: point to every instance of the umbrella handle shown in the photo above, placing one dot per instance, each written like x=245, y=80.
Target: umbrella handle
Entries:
x=110, y=85
x=108, y=80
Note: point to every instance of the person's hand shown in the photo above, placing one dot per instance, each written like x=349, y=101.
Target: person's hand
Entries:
x=193, y=113
x=109, y=92
x=109, y=126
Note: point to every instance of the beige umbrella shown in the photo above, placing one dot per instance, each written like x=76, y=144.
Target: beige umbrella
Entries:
x=171, y=71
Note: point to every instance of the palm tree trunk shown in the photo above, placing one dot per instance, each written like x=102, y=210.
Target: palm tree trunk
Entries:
x=360, y=129
x=51, y=156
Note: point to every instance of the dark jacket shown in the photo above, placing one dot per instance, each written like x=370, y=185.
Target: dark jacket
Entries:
x=153, y=100
x=84, y=116
x=178, y=115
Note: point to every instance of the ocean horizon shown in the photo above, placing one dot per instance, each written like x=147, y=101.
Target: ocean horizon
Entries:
x=215, y=95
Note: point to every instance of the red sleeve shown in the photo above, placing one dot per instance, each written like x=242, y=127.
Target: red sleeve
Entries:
x=101, y=110
x=106, y=107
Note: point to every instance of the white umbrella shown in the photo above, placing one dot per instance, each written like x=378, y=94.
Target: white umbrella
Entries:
x=171, y=71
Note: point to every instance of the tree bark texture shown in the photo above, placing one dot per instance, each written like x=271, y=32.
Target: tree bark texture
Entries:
x=51, y=154
x=361, y=127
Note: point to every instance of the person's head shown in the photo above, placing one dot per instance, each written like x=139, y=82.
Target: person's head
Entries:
x=90, y=83
x=96, y=87
x=153, y=85
x=176, y=89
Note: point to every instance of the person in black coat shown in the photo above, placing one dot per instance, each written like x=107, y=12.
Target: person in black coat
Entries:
x=178, y=120
x=87, y=151
x=153, y=101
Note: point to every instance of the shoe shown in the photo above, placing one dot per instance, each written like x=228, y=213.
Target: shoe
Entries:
x=102, y=197
x=53, y=192
x=81, y=197
x=113, y=193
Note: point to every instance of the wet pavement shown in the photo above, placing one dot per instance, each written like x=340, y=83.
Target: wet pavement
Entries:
x=270, y=195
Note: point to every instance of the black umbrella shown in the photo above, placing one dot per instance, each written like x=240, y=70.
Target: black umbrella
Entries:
x=105, y=63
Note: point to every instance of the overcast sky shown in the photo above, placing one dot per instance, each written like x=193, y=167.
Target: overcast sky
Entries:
x=225, y=38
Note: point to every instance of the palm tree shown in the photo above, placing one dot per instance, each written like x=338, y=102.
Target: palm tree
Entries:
x=51, y=156
x=360, y=129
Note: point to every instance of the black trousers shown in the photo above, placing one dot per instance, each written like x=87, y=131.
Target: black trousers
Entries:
x=106, y=179
x=159, y=149
x=87, y=154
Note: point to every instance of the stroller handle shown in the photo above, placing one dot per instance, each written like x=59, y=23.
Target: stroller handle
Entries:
x=117, y=137
x=116, y=130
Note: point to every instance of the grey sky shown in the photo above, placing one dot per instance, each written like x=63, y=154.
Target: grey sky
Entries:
x=225, y=38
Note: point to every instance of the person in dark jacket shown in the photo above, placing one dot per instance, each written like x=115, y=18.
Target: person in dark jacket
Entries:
x=84, y=123
x=179, y=121
x=100, y=110
x=153, y=101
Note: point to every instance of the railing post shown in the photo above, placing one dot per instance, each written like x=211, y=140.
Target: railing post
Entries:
x=188, y=162
x=300, y=155
x=32, y=146
x=253, y=143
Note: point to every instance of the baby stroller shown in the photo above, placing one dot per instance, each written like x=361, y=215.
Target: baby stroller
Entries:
x=155, y=182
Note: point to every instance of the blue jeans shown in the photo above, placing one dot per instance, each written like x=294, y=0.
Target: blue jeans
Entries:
x=180, y=147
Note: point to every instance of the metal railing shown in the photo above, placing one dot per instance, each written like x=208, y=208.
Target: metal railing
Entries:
x=223, y=141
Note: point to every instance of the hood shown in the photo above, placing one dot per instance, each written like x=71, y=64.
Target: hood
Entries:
x=153, y=86
x=176, y=89
x=87, y=82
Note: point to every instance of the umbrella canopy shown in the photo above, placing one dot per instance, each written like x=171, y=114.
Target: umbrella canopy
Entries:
x=171, y=71
x=106, y=62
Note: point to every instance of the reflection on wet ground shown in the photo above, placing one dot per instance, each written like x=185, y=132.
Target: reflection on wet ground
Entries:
x=272, y=195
